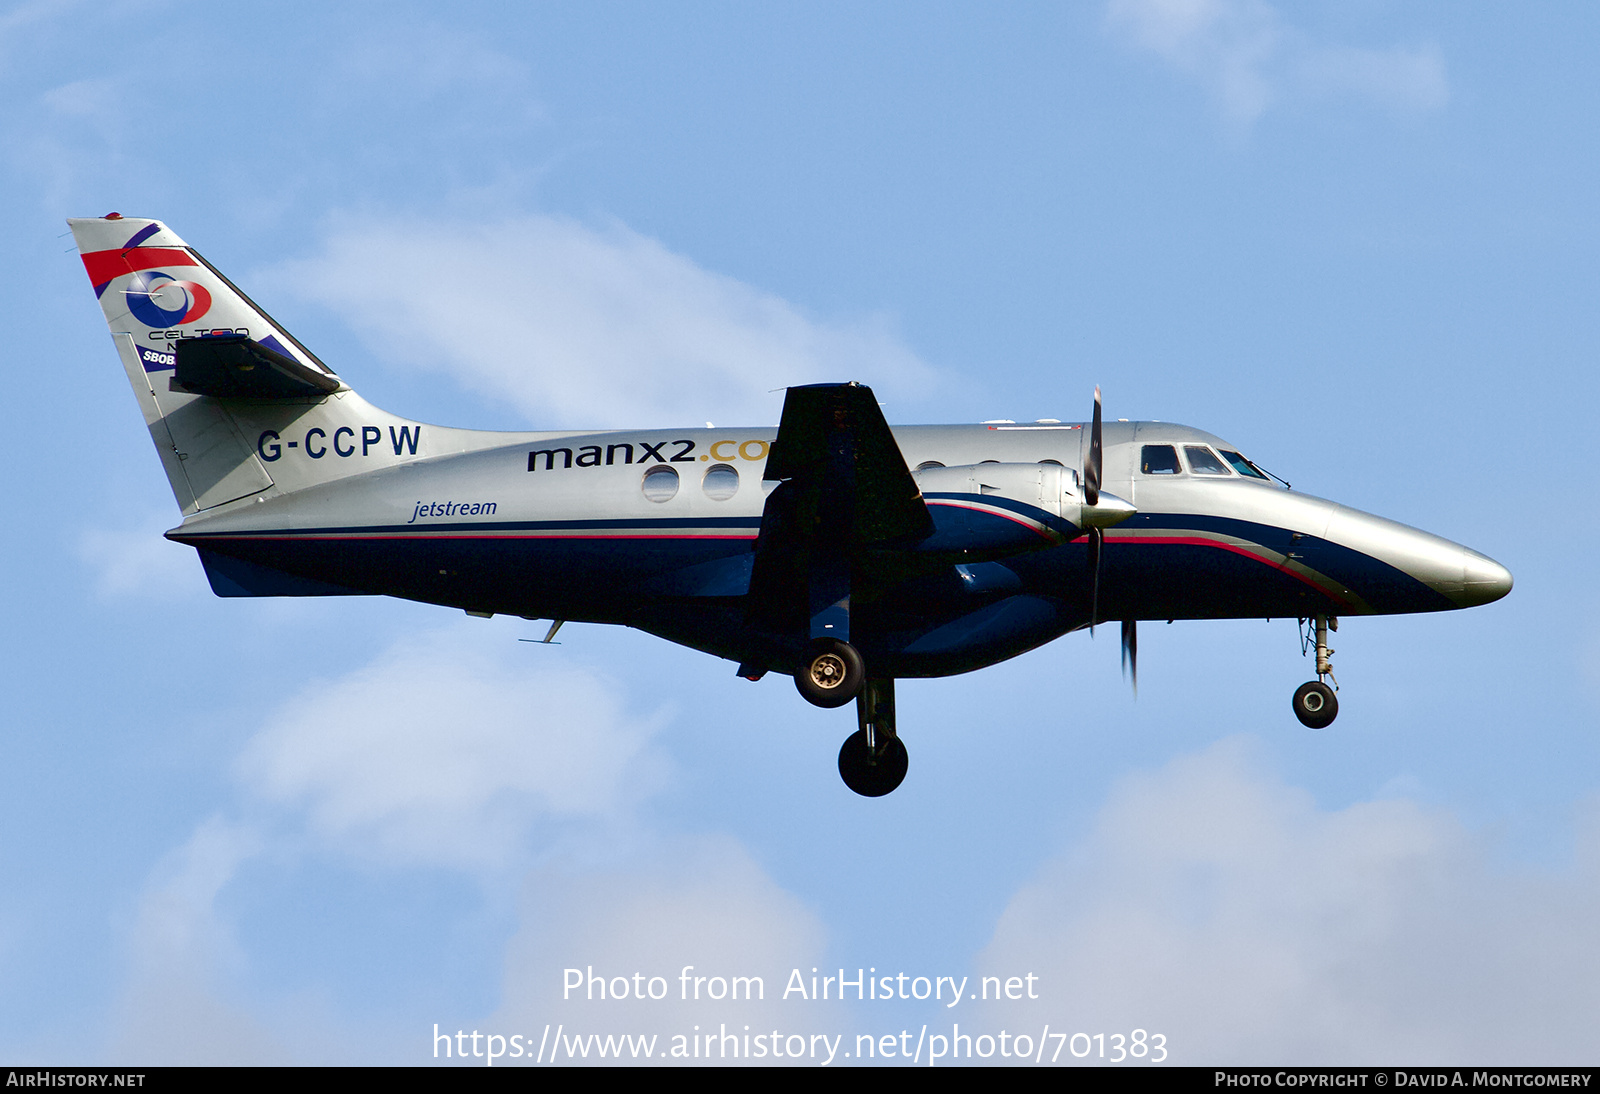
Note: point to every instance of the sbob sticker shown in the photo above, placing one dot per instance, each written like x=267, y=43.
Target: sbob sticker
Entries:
x=157, y=360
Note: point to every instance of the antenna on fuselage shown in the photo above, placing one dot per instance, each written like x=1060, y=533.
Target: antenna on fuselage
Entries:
x=549, y=638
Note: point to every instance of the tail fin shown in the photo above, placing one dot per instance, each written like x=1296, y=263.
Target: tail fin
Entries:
x=154, y=286
x=236, y=406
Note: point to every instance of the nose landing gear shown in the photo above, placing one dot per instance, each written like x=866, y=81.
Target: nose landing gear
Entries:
x=1315, y=703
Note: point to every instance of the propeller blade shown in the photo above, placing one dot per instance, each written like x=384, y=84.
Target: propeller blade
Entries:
x=1130, y=652
x=1091, y=498
x=1091, y=466
x=1096, y=539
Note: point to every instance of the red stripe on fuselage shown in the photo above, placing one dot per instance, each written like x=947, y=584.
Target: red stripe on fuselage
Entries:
x=1200, y=541
x=196, y=541
x=1032, y=525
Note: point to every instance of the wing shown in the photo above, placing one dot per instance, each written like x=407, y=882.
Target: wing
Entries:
x=844, y=489
x=836, y=450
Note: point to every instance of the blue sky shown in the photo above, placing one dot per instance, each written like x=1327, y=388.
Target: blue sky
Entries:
x=1357, y=239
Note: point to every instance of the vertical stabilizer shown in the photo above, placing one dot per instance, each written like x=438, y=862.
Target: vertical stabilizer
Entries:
x=236, y=406
x=156, y=288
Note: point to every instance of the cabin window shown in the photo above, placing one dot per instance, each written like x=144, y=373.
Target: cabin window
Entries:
x=721, y=482
x=1242, y=465
x=660, y=484
x=1203, y=461
x=1159, y=459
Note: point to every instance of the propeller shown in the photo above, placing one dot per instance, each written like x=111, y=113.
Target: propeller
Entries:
x=1091, y=496
x=1097, y=539
x=1091, y=467
x=1130, y=652
x=1107, y=509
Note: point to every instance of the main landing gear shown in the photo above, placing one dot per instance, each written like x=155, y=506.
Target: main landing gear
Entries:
x=1315, y=703
x=831, y=674
x=873, y=760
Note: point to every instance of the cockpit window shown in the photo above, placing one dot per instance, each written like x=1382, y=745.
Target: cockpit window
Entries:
x=1243, y=466
x=1203, y=461
x=1159, y=459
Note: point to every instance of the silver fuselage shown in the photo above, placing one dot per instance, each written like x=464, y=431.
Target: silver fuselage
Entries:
x=590, y=527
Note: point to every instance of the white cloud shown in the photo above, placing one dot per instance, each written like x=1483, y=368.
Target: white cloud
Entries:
x=1227, y=911
x=77, y=132
x=1589, y=667
x=1225, y=43
x=701, y=902
x=449, y=749
x=1249, y=58
x=174, y=1009
x=24, y=15
x=580, y=326
x=436, y=65
x=452, y=749
x=140, y=561
x=82, y=98
x=1398, y=78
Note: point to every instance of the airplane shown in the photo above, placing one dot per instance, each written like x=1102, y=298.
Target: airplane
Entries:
x=832, y=548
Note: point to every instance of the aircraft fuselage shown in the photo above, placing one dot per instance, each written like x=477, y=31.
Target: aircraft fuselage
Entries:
x=563, y=527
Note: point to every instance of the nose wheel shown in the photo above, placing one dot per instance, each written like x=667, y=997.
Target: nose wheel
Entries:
x=1315, y=703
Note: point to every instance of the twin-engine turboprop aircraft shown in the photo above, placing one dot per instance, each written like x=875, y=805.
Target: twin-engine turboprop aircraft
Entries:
x=834, y=549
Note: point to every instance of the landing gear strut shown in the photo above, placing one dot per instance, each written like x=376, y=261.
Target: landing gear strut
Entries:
x=1314, y=701
x=873, y=760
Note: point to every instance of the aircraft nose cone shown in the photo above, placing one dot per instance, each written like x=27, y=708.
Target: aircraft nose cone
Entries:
x=1483, y=579
x=1460, y=575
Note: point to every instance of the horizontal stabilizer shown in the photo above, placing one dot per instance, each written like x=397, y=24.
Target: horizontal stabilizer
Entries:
x=234, y=366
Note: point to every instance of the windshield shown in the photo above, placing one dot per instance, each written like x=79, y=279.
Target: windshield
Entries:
x=1244, y=466
x=1203, y=461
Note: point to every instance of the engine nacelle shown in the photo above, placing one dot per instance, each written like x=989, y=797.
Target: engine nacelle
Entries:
x=1018, y=495
x=1047, y=486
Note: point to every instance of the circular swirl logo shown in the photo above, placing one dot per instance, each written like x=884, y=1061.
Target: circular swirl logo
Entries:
x=160, y=300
